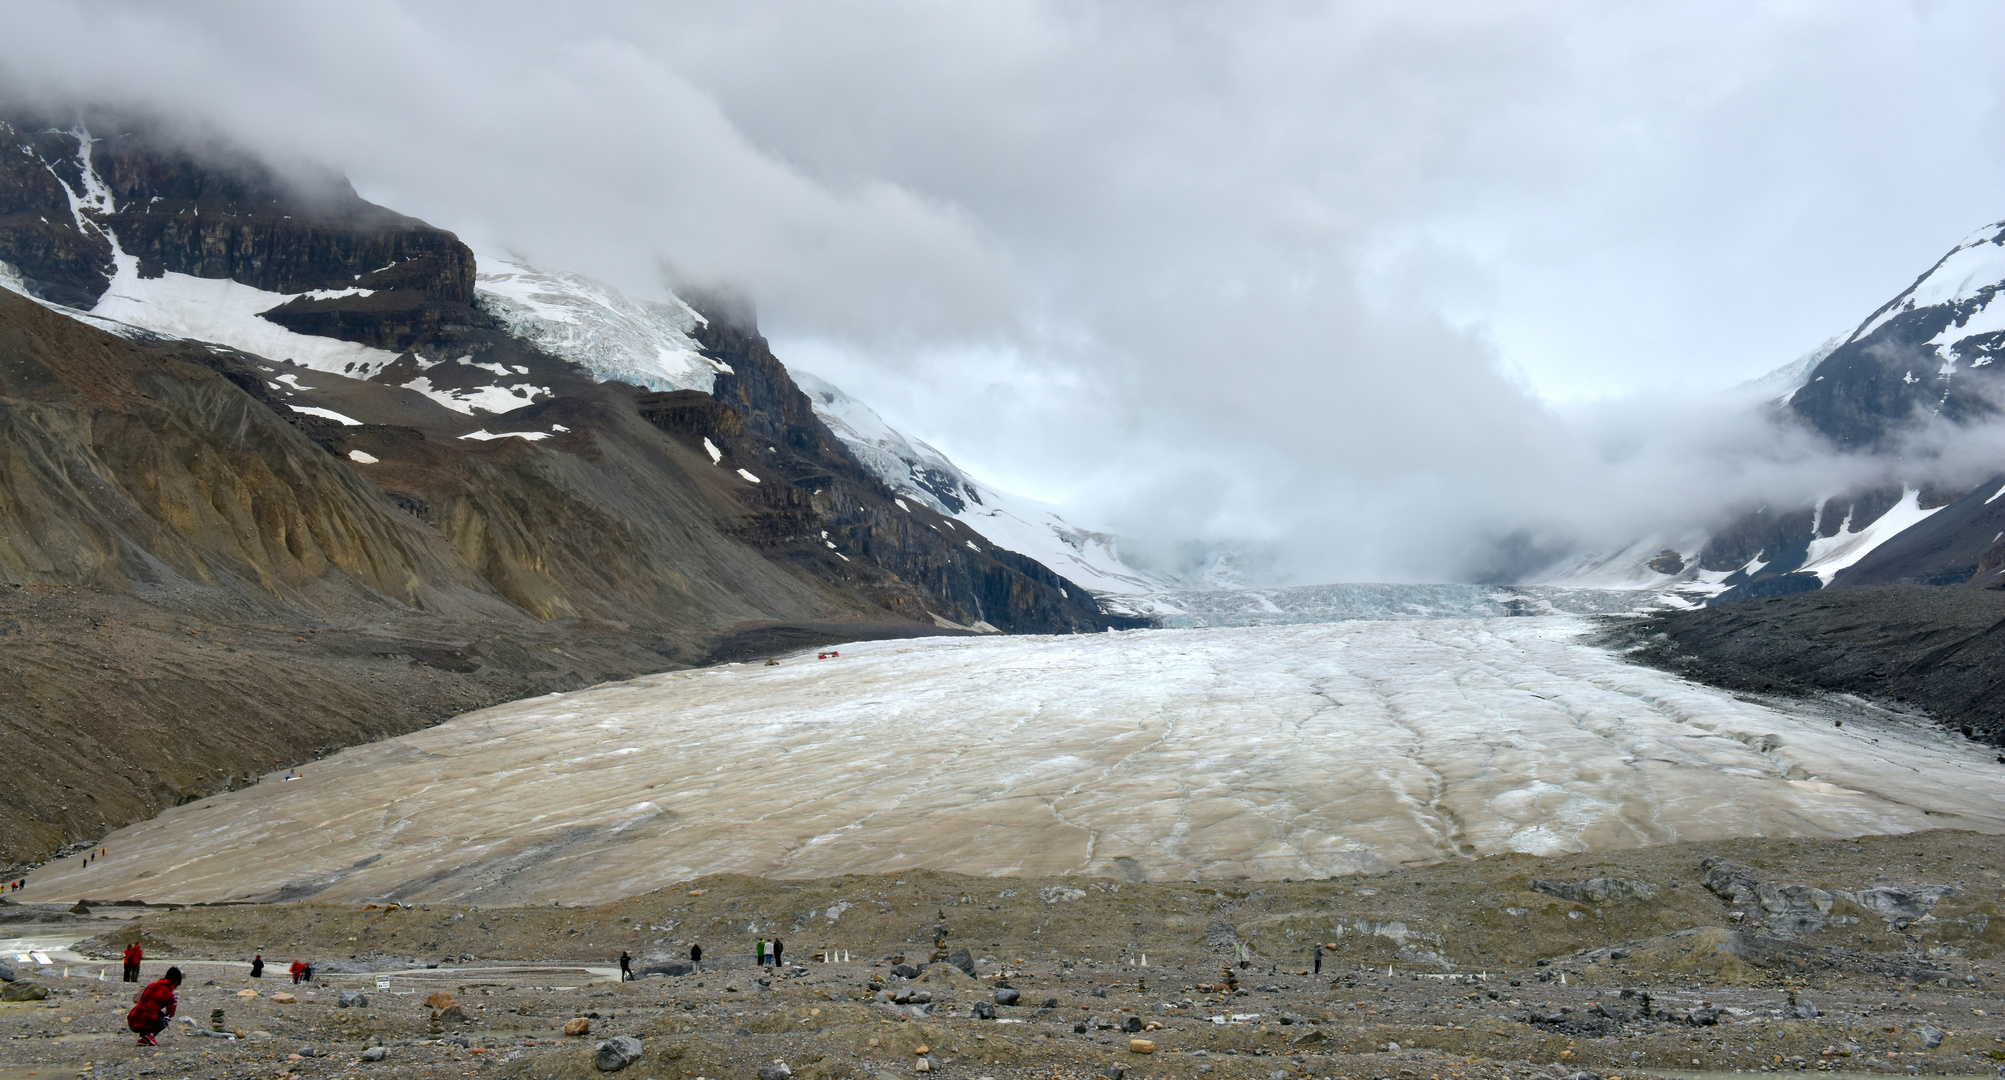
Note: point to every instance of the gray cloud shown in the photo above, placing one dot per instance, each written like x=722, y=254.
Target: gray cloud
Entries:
x=1368, y=287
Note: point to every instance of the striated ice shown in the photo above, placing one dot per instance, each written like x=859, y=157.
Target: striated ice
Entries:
x=1288, y=751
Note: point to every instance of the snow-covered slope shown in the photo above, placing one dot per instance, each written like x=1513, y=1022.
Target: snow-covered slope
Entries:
x=923, y=474
x=643, y=342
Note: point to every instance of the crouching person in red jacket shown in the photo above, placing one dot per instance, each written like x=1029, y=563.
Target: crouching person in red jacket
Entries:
x=154, y=1008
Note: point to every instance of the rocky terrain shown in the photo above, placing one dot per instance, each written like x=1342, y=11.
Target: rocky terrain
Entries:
x=1937, y=653
x=1878, y=955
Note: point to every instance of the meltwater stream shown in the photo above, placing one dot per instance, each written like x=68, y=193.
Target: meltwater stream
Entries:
x=1271, y=751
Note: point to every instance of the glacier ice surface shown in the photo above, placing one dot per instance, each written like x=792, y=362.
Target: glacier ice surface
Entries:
x=1271, y=751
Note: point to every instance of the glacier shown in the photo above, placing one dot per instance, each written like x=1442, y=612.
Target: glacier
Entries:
x=1298, y=751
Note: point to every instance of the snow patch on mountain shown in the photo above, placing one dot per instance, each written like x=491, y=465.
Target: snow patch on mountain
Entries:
x=922, y=474
x=1830, y=554
x=615, y=337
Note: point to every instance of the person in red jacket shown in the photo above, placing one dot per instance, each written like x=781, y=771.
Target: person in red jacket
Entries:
x=299, y=970
x=133, y=954
x=154, y=1008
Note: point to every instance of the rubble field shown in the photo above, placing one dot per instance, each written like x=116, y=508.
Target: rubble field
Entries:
x=1875, y=955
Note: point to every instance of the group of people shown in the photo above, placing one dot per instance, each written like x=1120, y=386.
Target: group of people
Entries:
x=154, y=1007
x=763, y=951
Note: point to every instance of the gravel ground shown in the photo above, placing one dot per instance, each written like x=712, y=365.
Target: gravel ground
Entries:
x=1684, y=959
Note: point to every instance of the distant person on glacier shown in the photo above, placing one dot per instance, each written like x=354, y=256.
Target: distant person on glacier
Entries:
x=696, y=954
x=778, y=947
x=258, y=966
x=626, y=967
x=133, y=955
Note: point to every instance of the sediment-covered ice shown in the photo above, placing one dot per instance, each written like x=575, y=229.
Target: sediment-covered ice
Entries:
x=1285, y=751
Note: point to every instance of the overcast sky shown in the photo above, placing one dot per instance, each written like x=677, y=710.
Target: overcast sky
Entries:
x=1372, y=288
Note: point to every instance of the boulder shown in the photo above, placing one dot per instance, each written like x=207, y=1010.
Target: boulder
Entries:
x=1007, y=996
x=80, y=908
x=1596, y=890
x=985, y=1010
x=376, y=1053
x=617, y=1053
x=23, y=991
x=283, y=999
x=451, y=1014
x=247, y=994
x=962, y=959
x=352, y=999
x=1931, y=1036
x=6, y=973
x=577, y=1025
x=905, y=971
x=441, y=1000
x=776, y=1071
x=1141, y=1046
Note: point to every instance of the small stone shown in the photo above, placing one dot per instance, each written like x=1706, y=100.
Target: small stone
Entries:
x=1132, y=1023
x=1931, y=1036
x=307, y=1052
x=778, y=1070
x=283, y=998
x=1008, y=996
x=1141, y=1046
x=352, y=999
x=985, y=1010
x=577, y=1026
x=921, y=1065
x=247, y=993
x=376, y=1053
x=618, y=1053
x=1079, y=1028
x=905, y=971
x=1113, y=1072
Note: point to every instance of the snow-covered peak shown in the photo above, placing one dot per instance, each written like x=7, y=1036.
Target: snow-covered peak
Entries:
x=644, y=342
x=1973, y=271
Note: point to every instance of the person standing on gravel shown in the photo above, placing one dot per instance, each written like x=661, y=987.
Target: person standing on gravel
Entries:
x=696, y=954
x=258, y=966
x=626, y=967
x=154, y=1007
x=1319, y=958
x=759, y=952
x=133, y=954
x=299, y=970
x=778, y=947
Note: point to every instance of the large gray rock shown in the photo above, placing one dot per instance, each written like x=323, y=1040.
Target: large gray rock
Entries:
x=985, y=1010
x=6, y=973
x=1008, y=996
x=1596, y=890
x=778, y=1070
x=352, y=999
x=675, y=970
x=1901, y=906
x=23, y=991
x=905, y=971
x=617, y=1053
x=962, y=959
x=376, y=1053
